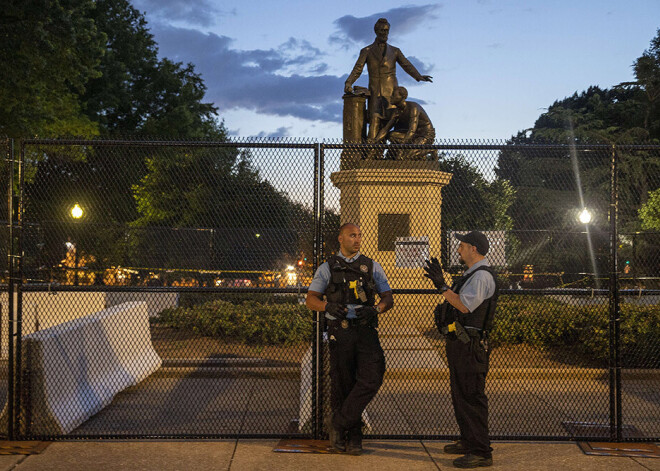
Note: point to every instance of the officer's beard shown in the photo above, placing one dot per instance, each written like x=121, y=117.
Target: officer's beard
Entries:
x=461, y=261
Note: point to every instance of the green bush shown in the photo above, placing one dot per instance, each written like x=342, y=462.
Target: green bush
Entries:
x=548, y=323
x=193, y=299
x=640, y=336
x=249, y=322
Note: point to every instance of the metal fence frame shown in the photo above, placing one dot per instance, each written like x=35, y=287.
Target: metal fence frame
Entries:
x=16, y=285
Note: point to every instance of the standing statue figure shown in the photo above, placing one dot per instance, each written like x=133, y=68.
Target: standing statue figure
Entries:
x=409, y=124
x=381, y=60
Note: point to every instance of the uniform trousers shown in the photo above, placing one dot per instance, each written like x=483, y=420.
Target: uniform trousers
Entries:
x=468, y=367
x=357, y=366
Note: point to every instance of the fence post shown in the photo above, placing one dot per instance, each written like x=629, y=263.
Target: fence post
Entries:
x=317, y=345
x=614, y=363
x=10, y=291
x=15, y=298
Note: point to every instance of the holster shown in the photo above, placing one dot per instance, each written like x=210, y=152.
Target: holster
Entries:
x=443, y=317
x=459, y=331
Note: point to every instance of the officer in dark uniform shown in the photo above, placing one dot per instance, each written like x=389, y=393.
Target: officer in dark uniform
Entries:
x=350, y=282
x=465, y=317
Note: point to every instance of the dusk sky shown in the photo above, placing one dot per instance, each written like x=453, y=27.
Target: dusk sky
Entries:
x=277, y=68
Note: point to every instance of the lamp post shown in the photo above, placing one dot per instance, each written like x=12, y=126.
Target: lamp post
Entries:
x=585, y=218
x=76, y=212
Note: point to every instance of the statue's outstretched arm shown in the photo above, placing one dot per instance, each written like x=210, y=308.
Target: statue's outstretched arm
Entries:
x=411, y=70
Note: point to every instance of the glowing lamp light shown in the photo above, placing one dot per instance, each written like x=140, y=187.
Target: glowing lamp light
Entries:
x=76, y=211
x=290, y=268
x=585, y=216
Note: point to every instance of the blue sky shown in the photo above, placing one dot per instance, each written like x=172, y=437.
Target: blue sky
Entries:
x=277, y=68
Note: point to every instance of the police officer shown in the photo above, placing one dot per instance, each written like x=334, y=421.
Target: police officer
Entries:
x=471, y=303
x=350, y=282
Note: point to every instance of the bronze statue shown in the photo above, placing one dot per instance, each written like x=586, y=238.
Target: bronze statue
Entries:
x=381, y=60
x=411, y=125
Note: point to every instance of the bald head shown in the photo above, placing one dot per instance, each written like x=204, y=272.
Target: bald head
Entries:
x=349, y=238
x=347, y=226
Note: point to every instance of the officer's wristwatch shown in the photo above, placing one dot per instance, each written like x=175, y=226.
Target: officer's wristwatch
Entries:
x=444, y=288
x=378, y=309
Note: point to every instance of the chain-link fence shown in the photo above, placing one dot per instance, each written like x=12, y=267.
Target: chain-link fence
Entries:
x=162, y=284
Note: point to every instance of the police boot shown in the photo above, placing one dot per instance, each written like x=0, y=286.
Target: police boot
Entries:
x=337, y=438
x=354, y=446
x=457, y=448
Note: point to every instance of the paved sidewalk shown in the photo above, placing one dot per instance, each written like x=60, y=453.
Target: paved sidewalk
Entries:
x=258, y=455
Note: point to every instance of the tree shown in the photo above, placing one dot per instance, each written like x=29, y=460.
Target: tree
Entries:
x=647, y=73
x=488, y=201
x=217, y=188
x=124, y=90
x=552, y=184
x=50, y=51
x=625, y=114
x=138, y=94
x=649, y=213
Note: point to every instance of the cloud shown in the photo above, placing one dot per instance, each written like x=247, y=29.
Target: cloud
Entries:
x=402, y=20
x=286, y=80
x=198, y=12
x=282, y=131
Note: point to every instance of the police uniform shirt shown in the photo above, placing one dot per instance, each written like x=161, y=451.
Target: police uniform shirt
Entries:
x=480, y=286
x=322, y=280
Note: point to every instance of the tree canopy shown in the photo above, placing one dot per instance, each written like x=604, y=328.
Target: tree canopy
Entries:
x=550, y=184
x=50, y=51
x=80, y=68
x=90, y=68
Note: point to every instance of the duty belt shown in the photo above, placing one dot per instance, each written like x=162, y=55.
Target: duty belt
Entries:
x=473, y=331
x=346, y=323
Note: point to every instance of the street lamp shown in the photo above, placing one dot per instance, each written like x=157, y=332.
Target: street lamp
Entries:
x=77, y=211
x=585, y=216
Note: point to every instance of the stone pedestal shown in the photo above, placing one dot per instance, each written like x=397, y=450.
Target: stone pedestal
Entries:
x=390, y=199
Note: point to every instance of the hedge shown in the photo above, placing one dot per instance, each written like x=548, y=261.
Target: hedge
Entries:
x=192, y=299
x=249, y=322
x=548, y=323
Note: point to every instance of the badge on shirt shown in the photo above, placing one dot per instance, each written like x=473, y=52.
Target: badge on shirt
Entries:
x=344, y=324
x=364, y=268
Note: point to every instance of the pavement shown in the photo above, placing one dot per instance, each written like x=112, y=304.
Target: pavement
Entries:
x=250, y=454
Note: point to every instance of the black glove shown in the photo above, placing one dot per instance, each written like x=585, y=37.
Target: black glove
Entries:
x=366, y=313
x=336, y=310
x=433, y=271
